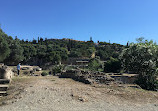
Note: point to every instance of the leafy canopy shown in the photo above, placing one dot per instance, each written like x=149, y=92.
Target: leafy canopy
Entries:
x=141, y=58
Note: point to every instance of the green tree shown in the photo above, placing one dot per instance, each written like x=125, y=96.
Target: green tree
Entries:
x=4, y=49
x=95, y=64
x=16, y=54
x=29, y=52
x=112, y=65
x=55, y=57
x=141, y=58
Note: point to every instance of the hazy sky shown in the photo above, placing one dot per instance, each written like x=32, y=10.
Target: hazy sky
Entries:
x=116, y=20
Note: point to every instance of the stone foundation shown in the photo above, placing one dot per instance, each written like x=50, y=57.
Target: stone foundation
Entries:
x=87, y=77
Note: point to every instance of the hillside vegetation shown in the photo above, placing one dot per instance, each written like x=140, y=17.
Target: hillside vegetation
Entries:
x=42, y=51
x=140, y=57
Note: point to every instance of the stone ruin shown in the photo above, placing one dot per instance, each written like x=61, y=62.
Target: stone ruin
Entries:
x=90, y=77
x=5, y=72
x=87, y=77
x=28, y=70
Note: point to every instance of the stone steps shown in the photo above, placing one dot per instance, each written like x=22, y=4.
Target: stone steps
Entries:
x=3, y=93
x=3, y=87
x=4, y=81
x=4, y=84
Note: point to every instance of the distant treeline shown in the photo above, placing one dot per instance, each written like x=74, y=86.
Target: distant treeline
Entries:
x=52, y=51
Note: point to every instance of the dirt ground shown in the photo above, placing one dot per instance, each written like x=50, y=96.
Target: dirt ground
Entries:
x=58, y=94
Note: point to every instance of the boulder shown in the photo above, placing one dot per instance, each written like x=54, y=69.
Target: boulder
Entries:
x=25, y=68
x=38, y=69
x=5, y=72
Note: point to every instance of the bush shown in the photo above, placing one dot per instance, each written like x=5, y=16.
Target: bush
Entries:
x=57, y=69
x=141, y=58
x=44, y=74
x=112, y=65
x=95, y=64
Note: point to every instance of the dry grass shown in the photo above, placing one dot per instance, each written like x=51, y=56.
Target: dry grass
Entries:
x=17, y=86
x=129, y=94
x=81, y=91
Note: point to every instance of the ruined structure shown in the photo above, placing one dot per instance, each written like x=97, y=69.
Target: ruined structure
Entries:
x=5, y=77
x=124, y=78
x=5, y=72
x=90, y=77
x=87, y=77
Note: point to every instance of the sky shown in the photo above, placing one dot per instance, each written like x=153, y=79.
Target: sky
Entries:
x=119, y=21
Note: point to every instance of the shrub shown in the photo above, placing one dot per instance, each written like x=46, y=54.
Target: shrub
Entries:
x=95, y=64
x=112, y=65
x=44, y=74
x=141, y=58
x=57, y=69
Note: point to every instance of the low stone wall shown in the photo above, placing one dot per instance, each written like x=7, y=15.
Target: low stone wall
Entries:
x=75, y=75
x=87, y=77
x=90, y=77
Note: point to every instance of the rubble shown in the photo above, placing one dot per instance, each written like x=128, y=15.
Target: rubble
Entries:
x=87, y=77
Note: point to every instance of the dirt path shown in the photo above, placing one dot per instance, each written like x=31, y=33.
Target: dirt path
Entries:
x=54, y=94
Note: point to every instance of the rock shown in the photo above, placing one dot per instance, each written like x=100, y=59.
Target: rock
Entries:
x=25, y=68
x=32, y=71
x=38, y=69
x=5, y=72
x=82, y=99
x=43, y=97
x=4, y=103
x=1, y=64
x=46, y=88
x=20, y=97
x=32, y=92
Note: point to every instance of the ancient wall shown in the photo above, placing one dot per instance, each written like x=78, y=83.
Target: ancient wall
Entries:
x=98, y=77
x=87, y=77
x=5, y=72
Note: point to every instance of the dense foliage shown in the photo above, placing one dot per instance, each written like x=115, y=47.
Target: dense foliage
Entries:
x=141, y=58
x=95, y=64
x=44, y=74
x=112, y=65
x=106, y=50
x=52, y=51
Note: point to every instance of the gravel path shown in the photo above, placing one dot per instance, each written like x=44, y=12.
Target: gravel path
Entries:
x=54, y=94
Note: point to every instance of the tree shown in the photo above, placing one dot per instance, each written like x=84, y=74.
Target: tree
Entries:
x=4, y=49
x=41, y=41
x=34, y=41
x=63, y=53
x=112, y=65
x=5, y=41
x=91, y=39
x=29, y=52
x=141, y=58
x=54, y=57
x=75, y=54
x=95, y=64
x=16, y=53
